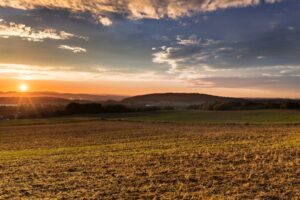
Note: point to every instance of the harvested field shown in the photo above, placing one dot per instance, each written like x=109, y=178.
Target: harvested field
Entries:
x=130, y=160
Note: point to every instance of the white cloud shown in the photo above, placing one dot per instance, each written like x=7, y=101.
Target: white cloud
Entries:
x=260, y=57
x=192, y=40
x=105, y=21
x=73, y=49
x=11, y=29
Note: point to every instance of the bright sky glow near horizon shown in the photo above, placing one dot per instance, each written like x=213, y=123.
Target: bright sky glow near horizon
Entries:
x=241, y=48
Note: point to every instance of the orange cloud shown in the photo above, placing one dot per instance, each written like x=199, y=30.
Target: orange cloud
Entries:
x=135, y=9
x=31, y=72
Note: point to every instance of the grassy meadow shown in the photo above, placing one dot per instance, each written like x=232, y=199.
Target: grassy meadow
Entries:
x=197, y=155
x=212, y=117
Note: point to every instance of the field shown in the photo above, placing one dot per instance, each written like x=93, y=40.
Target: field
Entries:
x=213, y=117
x=178, y=116
x=87, y=158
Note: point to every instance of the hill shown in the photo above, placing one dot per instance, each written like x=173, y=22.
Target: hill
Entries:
x=175, y=99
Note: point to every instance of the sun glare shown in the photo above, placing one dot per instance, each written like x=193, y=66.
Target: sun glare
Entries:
x=23, y=88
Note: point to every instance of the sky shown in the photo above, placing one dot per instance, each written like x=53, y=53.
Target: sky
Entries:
x=240, y=48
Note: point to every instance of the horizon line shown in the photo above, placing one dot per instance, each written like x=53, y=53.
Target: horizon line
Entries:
x=121, y=95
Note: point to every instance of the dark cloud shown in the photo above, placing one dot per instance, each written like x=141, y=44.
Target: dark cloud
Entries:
x=279, y=47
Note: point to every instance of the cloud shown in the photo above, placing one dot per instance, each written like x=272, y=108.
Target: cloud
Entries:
x=73, y=49
x=264, y=82
x=275, y=48
x=192, y=40
x=95, y=73
x=31, y=72
x=278, y=80
x=188, y=53
x=105, y=21
x=268, y=61
x=11, y=29
x=135, y=9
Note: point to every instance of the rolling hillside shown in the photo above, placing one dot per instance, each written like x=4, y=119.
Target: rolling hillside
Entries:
x=175, y=99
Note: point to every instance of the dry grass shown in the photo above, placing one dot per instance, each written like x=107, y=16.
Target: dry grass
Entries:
x=113, y=160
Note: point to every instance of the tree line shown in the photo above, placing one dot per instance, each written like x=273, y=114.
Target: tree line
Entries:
x=247, y=105
x=97, y=108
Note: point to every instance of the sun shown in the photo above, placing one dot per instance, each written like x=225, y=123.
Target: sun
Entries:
x=23, y=87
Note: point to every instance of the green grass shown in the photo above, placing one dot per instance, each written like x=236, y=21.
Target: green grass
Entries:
x=187, y=116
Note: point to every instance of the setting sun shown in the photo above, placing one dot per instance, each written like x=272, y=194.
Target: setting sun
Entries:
x=23, y=88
